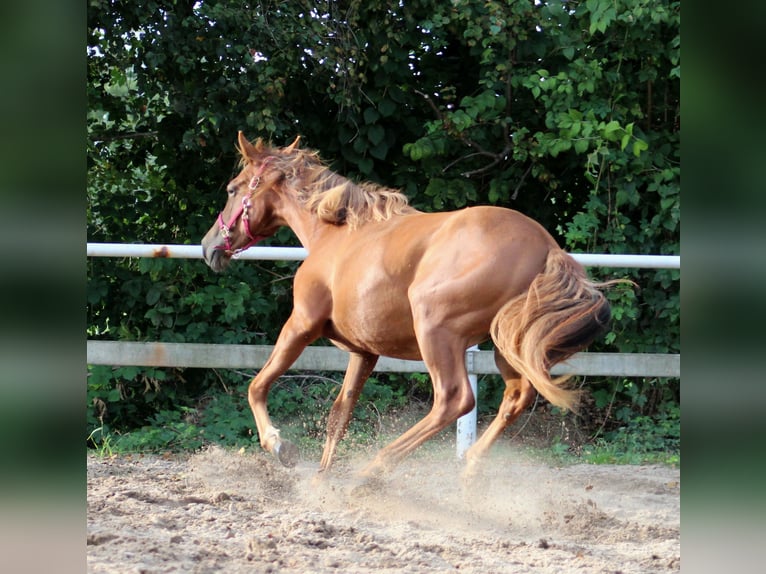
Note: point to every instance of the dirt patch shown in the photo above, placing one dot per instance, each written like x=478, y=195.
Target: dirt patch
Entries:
x=240, y=512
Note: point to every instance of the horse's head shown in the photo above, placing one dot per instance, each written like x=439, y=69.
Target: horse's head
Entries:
x=250, y=213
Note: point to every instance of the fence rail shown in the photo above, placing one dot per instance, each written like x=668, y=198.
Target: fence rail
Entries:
x=299, y=253
x=314, y=358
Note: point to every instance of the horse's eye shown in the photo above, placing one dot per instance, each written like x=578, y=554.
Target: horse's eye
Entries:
x=231, y=190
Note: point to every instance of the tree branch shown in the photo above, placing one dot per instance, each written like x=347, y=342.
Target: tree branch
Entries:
x=521, y=182
x=134, y=135
x=496, y=157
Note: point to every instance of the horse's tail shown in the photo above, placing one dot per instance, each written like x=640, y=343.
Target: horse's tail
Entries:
x=561, y=313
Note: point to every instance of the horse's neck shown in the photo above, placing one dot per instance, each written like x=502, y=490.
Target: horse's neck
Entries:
x=306, y=226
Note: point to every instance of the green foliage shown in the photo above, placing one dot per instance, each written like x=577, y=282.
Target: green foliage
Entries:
x=223, y=416
x=167, y=430
x=638, y=439
x=642, y=439
x=304, y=401
x=490, y=389
x=567, y=111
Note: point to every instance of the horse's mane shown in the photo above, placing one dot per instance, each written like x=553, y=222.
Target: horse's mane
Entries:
x=332, y=197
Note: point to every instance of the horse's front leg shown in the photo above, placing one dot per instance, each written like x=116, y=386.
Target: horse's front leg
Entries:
x=360, y=366
x=297, y=333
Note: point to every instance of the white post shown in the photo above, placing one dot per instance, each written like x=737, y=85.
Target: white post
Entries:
x=466, y=425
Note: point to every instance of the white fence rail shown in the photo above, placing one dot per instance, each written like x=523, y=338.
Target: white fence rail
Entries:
x=125, y=353
x=299, y=253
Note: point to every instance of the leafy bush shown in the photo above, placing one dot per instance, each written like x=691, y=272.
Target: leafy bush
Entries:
x=299, y=402
x=642, y=439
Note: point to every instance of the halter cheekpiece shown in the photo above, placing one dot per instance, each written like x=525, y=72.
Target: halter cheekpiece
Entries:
x=241, y=214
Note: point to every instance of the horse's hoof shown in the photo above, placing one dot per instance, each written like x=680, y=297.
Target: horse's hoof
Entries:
x=368, y=486
x=319, y=479
x=287, y=453
x=469, y=481
x=471, y=471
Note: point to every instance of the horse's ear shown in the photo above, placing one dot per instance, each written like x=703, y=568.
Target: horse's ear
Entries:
x=246, y=148
x=293, y=145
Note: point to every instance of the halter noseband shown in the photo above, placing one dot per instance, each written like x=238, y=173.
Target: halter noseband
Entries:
x=240, y=214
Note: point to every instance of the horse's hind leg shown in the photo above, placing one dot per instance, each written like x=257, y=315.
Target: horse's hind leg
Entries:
x=517, y=396
x=359, y=368
x=444, y=355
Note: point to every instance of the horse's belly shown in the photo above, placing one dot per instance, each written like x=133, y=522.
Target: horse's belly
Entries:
x=381, y=329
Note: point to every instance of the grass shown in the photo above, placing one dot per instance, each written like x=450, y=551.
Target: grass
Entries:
x=603, y=452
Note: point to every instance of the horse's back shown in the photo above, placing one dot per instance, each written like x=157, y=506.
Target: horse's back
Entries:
x=491, y=229
x=503, y=244
x=474, y=231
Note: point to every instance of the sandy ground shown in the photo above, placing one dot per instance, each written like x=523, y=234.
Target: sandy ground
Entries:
x=226, y=511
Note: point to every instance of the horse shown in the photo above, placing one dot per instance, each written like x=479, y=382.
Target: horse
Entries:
x=382, y=278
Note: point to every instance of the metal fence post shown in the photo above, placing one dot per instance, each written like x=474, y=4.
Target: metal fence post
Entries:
x=466, y=425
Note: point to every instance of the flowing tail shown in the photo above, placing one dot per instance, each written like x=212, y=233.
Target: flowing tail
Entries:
x=561, y=313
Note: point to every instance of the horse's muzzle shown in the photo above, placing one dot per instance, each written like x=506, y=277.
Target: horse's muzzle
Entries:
x=218, y=261
x=215, y=257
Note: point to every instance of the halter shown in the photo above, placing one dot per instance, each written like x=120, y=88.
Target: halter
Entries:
x=240, y=214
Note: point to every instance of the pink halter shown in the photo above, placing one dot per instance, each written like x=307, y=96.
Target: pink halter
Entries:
x=240, y=214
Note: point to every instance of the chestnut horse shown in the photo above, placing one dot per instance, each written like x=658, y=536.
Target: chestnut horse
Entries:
x=382, y=278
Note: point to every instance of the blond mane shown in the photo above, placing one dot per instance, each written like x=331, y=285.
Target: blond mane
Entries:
x=332, y=197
